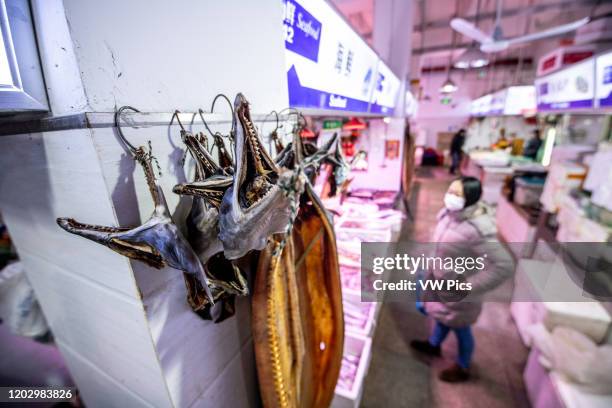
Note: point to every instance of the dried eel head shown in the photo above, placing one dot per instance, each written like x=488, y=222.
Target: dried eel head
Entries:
x=254, y=207
x=224, y=278
x=158, y=242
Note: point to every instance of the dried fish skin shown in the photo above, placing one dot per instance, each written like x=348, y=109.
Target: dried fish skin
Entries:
x=298, y=323
x=157, y=242
x=226, y=280
x=254, y=207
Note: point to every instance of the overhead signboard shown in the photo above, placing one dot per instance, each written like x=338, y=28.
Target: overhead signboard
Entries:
x=514, y=100
x=520, y=100
x=481, y=106
x=385, y=91
x=603, y=75
x=569, y=89
x=498, y=103
x=329, y=66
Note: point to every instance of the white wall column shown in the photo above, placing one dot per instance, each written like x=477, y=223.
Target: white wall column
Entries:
x=126, y=332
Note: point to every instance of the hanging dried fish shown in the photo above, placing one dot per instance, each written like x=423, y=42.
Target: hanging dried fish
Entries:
x=211, y=181
x=298, y=325
x=254, y=207
x=158, y=242
x=225, y=160
x=340, y=167
x=278, y=144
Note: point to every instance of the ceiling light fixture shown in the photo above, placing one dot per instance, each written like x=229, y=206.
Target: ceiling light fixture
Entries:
x=472, y=58
x=448, y=86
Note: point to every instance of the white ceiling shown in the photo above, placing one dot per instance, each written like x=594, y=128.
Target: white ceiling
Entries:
x=432, y=37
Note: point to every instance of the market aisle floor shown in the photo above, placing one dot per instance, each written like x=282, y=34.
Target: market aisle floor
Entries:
x=399, y=378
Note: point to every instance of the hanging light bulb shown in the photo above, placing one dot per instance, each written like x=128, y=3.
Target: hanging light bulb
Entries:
x=472, y=58
x=448, y=86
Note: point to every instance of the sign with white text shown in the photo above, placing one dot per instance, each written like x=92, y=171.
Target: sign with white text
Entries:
x=329, y=66
x=569, y=89
x=520, y=100
x=604, y=80
x=498, y=102
x=481, y=106
x=385, y=90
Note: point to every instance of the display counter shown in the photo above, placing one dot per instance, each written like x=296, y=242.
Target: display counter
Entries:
x=355, y=363
x=492, y=168
x=544, y=293
x=516, y=226
x=366, y=216
x=549, y=390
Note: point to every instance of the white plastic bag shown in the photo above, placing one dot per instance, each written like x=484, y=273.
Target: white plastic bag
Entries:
x=19, y=309
x=575, y=357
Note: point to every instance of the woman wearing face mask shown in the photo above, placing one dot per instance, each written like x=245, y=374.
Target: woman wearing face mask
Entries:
x=464, y=228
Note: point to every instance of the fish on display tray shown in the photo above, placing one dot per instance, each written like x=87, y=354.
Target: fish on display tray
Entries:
x=348, y=371
x=357, y=314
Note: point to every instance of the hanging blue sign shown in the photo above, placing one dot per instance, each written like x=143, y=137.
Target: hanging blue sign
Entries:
x=302, y=31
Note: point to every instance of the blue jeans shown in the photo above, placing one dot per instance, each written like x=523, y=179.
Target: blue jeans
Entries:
x=465, y=341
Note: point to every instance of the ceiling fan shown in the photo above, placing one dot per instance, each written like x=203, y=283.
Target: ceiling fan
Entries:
x=496, y=41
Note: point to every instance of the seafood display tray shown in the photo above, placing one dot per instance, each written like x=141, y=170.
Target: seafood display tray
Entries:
x=351, y=298
x=355, y=346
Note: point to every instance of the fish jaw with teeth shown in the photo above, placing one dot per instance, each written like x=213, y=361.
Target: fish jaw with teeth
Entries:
x=254, y=207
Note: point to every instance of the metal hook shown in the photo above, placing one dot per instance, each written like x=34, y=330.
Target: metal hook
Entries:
x=201, y=112
x=176, y=115
x=297, y=113
x=212, y=109
x=277, y=121
x=118, y=114
x=263, y=122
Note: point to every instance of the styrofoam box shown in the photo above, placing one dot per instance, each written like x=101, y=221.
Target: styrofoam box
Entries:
x=548, y=390
x=358, y=346
x=354, y=298
x=525, y=315
x=514, y=228
x=573, y=397
x=581, y=313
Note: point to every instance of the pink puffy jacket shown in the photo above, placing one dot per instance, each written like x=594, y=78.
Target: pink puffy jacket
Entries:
x=473, y=230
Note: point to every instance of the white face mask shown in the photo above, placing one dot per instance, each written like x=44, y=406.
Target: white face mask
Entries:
x=454, y=202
